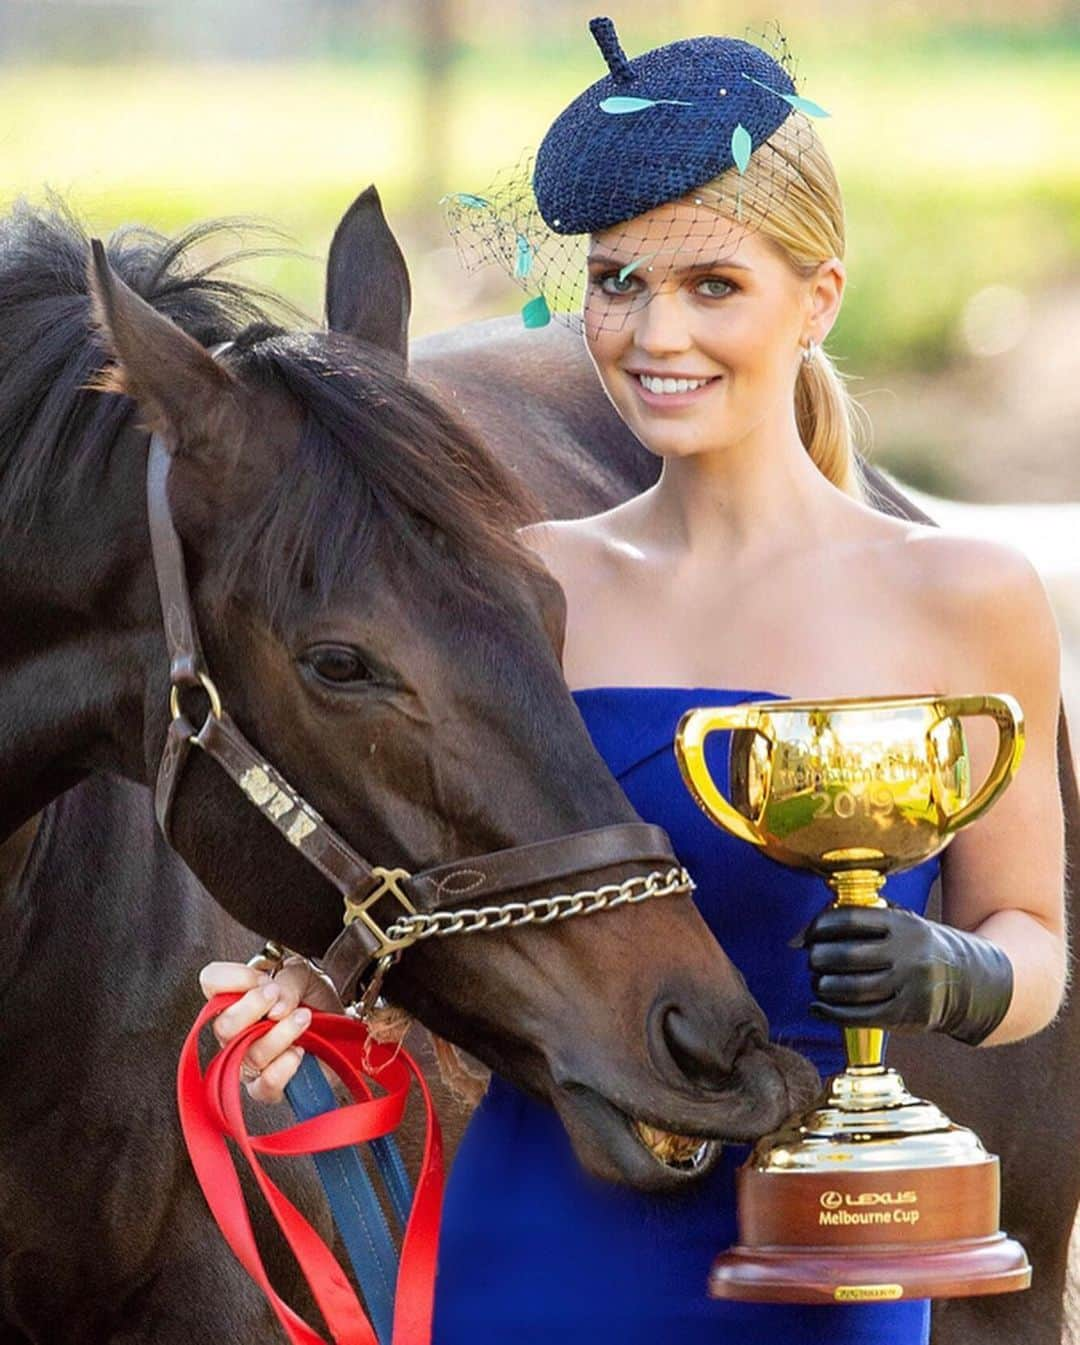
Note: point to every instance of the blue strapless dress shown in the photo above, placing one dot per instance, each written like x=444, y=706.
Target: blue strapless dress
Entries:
x=535, y=1250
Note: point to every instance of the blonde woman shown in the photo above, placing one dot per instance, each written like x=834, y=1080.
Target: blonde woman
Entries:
x=695, y=187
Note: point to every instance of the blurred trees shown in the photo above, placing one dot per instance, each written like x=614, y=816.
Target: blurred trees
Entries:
x=254, y=30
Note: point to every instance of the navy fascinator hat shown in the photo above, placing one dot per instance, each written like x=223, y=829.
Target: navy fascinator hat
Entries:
x=653, y=131
x=655, y=127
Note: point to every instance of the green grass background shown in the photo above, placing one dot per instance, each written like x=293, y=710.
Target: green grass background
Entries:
x=957, y=148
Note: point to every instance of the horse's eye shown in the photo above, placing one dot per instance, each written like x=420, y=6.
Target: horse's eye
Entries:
x=337, y=664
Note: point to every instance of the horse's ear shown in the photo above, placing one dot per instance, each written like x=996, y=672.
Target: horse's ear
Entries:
x=181, y=391
x=367, y=282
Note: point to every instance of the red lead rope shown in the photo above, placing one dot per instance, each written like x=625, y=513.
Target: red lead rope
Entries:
x=211, y=1112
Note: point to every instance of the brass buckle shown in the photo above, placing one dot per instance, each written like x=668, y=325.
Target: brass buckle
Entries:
x=358, y=910
x=270, y=957
x=370, y=1000
x=210, y=689
x=274, y=956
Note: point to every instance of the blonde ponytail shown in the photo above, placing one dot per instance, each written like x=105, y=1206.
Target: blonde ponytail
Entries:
x=791, y=187
x=831, y=423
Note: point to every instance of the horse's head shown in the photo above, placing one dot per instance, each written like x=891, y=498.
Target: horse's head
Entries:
x=375, y=628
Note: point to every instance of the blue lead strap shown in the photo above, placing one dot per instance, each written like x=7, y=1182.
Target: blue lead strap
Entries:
x=353, y=1201
x=391, y=1168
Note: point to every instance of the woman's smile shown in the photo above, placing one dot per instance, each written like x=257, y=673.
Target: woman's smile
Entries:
x=670, y=393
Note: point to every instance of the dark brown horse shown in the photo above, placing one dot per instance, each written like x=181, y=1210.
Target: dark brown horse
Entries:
x=377, y=631
x=533, y=397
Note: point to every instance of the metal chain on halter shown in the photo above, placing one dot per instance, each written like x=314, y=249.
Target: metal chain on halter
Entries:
x=542, y=910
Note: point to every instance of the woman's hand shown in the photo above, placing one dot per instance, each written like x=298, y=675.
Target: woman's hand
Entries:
x=272, y=1060
x=888, y=967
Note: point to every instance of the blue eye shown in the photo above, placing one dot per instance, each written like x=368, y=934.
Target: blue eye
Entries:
x=628, y=281
x=715, y=280
x=609, y=283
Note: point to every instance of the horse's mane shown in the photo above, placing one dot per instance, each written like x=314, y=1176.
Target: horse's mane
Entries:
x=376, y=455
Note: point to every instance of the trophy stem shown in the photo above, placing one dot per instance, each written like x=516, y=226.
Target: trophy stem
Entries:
x=863, y=1046
x=865, y=1050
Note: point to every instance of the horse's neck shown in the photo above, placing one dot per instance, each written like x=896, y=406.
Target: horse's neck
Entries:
x=14, y=856
x=82, y=631
x=90, y=892
x=534, y=401
x=14, y=853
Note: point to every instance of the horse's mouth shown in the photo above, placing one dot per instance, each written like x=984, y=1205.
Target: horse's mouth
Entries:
x=681, y=1153
x=615, y=1144
x=628, y=1140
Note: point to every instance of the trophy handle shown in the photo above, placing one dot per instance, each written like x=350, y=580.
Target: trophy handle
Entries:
x=1008, y=715
x=694, y=727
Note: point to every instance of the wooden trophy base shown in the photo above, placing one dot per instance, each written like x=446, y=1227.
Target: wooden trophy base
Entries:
x=997, y=1265
x=871, y=1196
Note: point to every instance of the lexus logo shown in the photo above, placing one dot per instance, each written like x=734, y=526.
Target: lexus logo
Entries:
x=831, y=1200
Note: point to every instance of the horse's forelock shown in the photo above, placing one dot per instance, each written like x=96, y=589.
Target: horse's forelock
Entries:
x=379, y=462
x=53, y=423
x=377, y=456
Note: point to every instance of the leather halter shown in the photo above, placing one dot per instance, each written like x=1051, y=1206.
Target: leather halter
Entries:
x=373, y=896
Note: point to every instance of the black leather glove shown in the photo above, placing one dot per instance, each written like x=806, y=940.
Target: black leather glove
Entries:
x=887, y=967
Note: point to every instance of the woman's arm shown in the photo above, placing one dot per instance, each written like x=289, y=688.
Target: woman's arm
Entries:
x=1004, y=876
x=994, y=971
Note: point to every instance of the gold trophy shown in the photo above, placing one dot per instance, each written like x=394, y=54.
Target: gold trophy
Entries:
x=872, y=1194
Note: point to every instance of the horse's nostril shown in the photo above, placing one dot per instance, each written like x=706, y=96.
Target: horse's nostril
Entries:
x=704, y=1056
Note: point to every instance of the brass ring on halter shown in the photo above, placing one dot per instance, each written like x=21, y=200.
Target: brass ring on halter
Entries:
x=270, y=958
x=207, y=686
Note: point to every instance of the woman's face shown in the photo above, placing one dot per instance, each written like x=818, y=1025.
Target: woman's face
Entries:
x=721, y=307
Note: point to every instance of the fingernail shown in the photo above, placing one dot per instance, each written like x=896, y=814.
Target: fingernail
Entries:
x=279, y=1010
x=302, y=1017
x=300, y=1052
x=270, y=991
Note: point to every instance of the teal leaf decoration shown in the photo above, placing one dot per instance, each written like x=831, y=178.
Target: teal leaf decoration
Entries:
x=741, y=147
x=792, y=99
x=536, y=312
x=467, y=198
x=804, y=105
x=633, y=266
x=620, y=105
x=523, y=258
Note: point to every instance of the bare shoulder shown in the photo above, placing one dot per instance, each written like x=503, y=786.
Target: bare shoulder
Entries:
x=570, y=548
x=957, y=569
x=992, y=598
